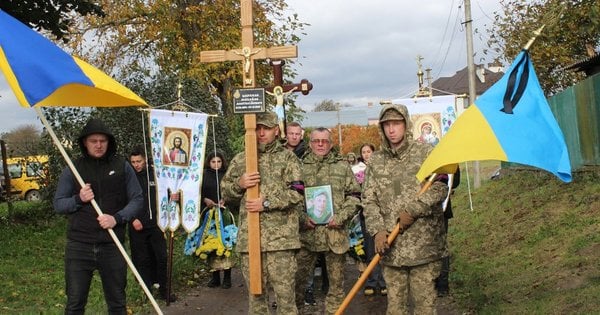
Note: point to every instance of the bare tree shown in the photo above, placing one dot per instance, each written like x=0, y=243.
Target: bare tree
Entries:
x=23, y=140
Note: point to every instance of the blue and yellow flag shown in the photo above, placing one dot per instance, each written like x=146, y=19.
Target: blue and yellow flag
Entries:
x=41, y=73
x=510, y=122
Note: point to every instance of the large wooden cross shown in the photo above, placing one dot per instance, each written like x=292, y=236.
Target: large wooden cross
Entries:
x=280, y=90
x=248, y=54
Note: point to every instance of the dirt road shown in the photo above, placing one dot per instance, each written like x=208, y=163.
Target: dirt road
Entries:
x=205, y=300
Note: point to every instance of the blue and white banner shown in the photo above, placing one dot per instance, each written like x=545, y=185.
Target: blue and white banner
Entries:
x=178, y=141
x=431, y=116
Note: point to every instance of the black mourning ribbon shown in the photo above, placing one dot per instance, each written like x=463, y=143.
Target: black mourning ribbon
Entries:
x=298, y=186
x=512, y=97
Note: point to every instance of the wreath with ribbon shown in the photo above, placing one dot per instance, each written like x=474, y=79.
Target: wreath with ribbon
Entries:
x=217, y=234
x=357, y=240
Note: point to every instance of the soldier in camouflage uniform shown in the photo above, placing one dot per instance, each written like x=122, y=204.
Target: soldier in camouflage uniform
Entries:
x=413, y=261
x=324, y=166
x=278, y=174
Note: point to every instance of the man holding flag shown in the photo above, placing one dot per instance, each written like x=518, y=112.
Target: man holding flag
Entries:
x=390, y=196
x=111, y=181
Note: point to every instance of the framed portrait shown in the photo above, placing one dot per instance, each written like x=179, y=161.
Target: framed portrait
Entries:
x=319, y=203
x=176, y=146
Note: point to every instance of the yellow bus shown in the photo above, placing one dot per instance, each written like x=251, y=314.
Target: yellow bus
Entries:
x=27, y=176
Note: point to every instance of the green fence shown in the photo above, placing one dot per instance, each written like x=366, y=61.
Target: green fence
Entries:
x=577, y=110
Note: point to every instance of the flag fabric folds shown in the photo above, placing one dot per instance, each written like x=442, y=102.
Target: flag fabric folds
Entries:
x=178, y=141
x=510, y=122
x=41, y=73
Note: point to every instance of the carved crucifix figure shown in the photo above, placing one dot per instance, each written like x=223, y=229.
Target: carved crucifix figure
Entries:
x=248, y=54
x=280, y=90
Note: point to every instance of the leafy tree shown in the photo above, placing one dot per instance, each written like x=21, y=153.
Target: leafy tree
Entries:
x=572, y=32
x=326, y=105
x=54, y=16
x=23, y=141
x=127, y=123
x=139, y=37
x=161, y=92
x=354, y=136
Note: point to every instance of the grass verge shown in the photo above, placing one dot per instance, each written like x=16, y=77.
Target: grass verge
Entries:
x=32, y=266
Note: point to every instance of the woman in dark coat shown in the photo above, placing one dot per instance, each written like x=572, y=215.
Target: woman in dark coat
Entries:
x=214, y=169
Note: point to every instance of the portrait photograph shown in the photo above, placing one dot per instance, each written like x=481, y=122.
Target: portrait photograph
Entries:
x=176, y=146
x=319, y=203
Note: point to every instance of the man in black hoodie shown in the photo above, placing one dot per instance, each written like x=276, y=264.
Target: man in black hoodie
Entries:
x=111, y=182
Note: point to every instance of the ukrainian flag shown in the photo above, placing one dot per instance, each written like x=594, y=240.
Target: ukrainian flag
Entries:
x=510, y=122
x=41, y=73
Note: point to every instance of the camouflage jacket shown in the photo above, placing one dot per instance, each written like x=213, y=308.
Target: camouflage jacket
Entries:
x=391, y=187
x=332, y=170
x=278, y=168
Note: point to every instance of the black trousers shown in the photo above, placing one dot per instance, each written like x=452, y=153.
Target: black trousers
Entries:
x=81, y=260
x=149, y=255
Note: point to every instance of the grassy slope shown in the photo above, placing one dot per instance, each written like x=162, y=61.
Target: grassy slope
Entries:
x=531, y=245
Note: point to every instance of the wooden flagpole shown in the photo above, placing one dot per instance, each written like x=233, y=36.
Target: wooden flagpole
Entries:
x=365, y=274
x=390, y=239
x=97, y=208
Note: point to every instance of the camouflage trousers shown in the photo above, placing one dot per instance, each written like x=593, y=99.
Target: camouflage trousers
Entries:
x=278, y=272
x=335, y=270
x=418, y=281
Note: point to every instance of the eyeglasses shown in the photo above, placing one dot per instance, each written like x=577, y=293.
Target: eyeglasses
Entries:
x=320, y=141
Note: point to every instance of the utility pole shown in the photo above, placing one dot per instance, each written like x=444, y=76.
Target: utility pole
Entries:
x=471, y=72
x=7, y=182
x=339, y=125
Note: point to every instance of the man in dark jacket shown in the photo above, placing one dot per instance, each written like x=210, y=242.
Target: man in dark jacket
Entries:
x=111, y=182
x=147, y=241
x=294, y=139
x=441, y=283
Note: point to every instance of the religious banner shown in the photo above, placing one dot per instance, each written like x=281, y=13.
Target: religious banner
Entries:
x=431, y=117
x=178, y=141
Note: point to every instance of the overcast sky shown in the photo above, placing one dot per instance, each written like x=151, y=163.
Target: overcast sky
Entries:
x=358, y=51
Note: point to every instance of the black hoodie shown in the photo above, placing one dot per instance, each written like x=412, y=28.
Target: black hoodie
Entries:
x=116, y=190
x=95, y=126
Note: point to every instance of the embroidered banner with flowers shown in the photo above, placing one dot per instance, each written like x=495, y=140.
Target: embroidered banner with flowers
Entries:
x=178, y=141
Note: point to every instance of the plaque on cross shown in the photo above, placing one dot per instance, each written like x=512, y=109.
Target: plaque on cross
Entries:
x=280, y=90
x=248, y=54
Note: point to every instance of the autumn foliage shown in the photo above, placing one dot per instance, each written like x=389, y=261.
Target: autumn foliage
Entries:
x=354, y=136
